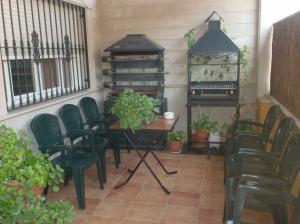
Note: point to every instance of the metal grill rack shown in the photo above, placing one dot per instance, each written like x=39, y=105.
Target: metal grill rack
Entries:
x=135, y=62
x=214, y=44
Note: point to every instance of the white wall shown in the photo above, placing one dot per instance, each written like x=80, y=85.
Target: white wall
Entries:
x=270, y=11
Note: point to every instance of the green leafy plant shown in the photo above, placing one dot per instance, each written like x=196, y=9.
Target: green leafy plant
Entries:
x=190, y=37
x=204, y=122
x=176, y=136
x=19, y=206
x=20, y=165
x=134, y=109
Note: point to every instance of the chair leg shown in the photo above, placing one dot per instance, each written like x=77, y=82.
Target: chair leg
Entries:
x=100, y=173
x=78, y=176
x=117, y=157
x=102, y=165
x=67, y=176
x=279, y=213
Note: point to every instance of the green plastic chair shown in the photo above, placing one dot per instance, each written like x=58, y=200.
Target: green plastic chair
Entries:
x=95, y=121
x=72, y=120
x=256, y=159
x=48, y=134
x=249, y=139
x=258, y=187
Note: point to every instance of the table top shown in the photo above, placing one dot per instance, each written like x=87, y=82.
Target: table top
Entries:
x=159, y=123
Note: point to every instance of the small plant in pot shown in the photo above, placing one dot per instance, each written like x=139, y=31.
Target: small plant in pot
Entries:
x=20, y=166
x=203, y=125
x=175, y=141
x=133, y=109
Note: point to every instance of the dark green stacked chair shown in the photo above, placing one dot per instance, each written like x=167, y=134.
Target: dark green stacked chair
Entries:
x=249, y=139
x=96, y=121
x=72, y=120
x=257, y=190
x=47, y=132
x=259, y=157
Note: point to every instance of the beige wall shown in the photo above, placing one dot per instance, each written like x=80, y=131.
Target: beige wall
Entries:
x=166, y=22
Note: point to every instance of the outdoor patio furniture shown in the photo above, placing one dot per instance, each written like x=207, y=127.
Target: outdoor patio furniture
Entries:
x=47, y=132
x=257, y=159
x=160, y=126
x=250, y=139
x=97, y=122
x=72, y=120
x=258, y=188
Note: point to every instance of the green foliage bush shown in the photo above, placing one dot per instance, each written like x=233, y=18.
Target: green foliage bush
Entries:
x=134, y=109
x=20, y=171
x=176, y=136
x=204, y=122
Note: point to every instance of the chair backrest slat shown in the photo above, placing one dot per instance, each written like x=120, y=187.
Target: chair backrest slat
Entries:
x=270, y=120
x=71, y=117
x=90, y=110
x=47, y=131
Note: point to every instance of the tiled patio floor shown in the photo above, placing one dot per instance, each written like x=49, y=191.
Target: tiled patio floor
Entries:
x=197, y=193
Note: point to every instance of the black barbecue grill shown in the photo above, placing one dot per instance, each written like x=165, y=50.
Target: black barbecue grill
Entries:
x=222, y=53
x=135, y=62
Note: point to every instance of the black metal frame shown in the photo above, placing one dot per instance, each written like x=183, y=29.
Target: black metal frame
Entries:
x=149, y=147
x=206, y=46
x=51, y=29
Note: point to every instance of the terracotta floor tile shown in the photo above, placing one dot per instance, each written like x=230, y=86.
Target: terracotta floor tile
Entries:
x=188, y=185
x=112, y=208
x=152, y=195
x=130, y=221
x=212, y=201
x=190, y=173
x=179, y=215
x=103, y=220
x=255, y=216
x=125, y=193
x=193, y=163
x=184, y=199
x=212, y=186
x=137, y=179
x=170, y=163
x=81, y=219
x=210, y=216
x=145, y=211
x=197, y=192
x=90, y=203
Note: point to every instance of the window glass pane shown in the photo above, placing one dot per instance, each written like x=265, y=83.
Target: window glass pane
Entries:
x=49, y=73
x=22, y=76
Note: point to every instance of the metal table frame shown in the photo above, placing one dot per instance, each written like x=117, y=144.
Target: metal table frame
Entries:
x=139, y=137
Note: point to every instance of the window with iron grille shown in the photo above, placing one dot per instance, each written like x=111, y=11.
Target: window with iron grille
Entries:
x=43, y=50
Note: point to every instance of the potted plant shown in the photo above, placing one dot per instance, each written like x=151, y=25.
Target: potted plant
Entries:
x=21, y=170
x=133, y=109
x=175, y=141
x=24, y=207
x=203, y=125
x=20, y=166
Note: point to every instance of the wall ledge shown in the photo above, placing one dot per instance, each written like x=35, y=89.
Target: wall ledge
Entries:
x=42, y=105
x=284, y=110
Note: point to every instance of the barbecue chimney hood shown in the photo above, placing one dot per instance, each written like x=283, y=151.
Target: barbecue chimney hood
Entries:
x=214, y=40
x=135, y=43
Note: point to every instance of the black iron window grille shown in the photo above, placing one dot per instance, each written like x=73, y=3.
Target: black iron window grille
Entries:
x=43, y=49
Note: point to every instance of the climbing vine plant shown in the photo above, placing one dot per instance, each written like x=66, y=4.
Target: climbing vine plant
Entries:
x=225, y=60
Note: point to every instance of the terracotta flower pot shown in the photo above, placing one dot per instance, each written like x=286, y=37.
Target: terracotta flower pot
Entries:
x=38, y=191
x=175, y=146
x=201, y=135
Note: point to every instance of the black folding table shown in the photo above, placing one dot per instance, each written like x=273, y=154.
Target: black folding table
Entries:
x=159, y=125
